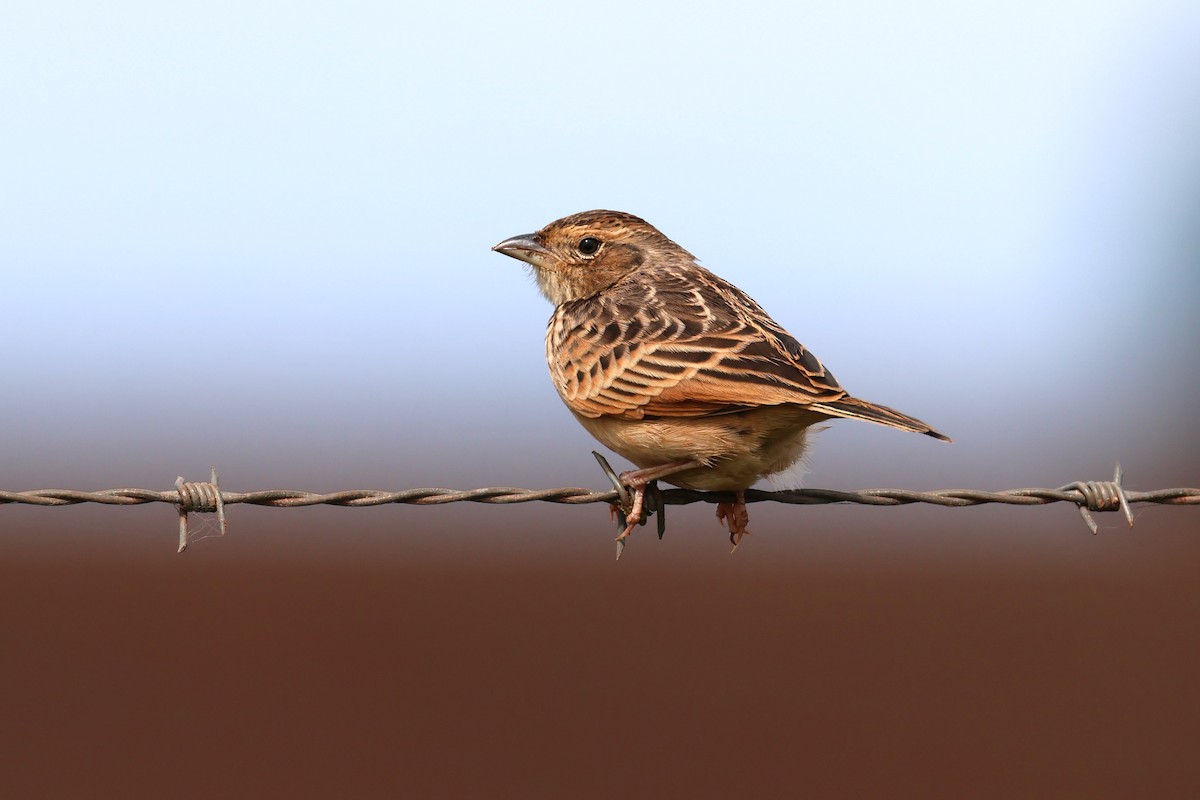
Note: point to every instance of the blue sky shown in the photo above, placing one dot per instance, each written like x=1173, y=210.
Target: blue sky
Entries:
x=257, y=234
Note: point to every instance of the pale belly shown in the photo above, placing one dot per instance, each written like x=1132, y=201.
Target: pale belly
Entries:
x=738, y=448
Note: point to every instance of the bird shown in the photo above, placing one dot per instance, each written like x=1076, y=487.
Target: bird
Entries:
x=674, y=368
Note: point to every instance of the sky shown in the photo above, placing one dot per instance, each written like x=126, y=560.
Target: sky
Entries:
x=257, y=235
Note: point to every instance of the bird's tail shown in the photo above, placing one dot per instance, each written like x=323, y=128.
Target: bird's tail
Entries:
x=854, y=408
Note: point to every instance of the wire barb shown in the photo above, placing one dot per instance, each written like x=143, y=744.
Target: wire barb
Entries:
x=619, y=510
x=1101, y=496
x=200, y=497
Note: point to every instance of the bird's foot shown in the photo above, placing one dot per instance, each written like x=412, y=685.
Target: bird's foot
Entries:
x=736, y=517
x=634, y=515
x=639, y=495
x=641, y=481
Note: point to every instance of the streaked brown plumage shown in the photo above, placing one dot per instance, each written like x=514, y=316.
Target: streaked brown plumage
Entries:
x=674, y=368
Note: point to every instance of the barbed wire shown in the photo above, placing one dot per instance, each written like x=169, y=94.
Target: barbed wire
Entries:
x=507, y=495
x=1087, y=496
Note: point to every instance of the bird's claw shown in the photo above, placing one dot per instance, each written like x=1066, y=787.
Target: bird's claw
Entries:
x=735, y=516
x=625, y=524
x=637, y=502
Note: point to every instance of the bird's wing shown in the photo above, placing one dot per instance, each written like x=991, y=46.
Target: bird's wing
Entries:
x=678, y=344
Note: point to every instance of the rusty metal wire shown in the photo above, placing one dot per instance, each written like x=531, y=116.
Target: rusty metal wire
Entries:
x=1096, y=495
x=505, y=495
x=1087, y=496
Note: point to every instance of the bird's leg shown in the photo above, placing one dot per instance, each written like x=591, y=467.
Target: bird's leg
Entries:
x=637, y=480
x=735, y=516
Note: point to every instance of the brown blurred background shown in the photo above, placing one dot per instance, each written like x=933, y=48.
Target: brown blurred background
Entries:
x=993, y=652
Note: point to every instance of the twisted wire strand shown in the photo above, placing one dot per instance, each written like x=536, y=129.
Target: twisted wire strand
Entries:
x=1087, y=496
x=505, y=495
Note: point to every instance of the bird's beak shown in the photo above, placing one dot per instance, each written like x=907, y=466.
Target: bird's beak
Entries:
x=525, y=248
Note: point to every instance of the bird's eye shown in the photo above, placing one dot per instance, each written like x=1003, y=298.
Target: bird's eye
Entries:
x=588, y=245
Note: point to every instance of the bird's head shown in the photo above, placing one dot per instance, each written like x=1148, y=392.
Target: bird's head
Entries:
x=582, y=255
